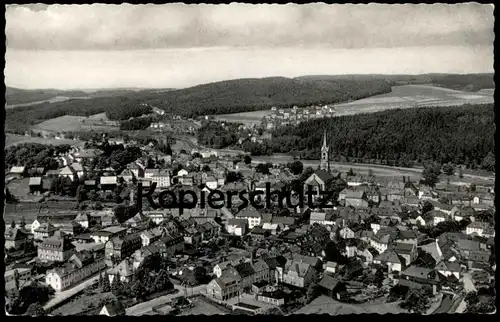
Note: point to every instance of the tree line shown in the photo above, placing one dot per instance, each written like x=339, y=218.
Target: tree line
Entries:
x=33, y=155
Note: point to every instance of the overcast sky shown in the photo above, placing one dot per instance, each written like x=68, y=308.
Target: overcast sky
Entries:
x=176, y=45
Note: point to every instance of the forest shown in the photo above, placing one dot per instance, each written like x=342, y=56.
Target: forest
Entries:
x=135, y=124
x=217, y=135
x=459, y=135
x=33, y=155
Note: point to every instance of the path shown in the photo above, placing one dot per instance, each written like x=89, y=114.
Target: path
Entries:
x=468, y=283
x=145, y=307
x=445, y=304
x=64, y=295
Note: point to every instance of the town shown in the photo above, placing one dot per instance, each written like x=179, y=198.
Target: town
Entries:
x=76, y=241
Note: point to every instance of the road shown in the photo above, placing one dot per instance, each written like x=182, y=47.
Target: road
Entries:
x=445, y=304
x=64, y=295
x=145, y=307
x=468, y=283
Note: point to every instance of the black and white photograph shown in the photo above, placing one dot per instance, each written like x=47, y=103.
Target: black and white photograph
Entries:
x=249, y=159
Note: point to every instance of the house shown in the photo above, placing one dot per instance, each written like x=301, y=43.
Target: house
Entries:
x=252, y=216
x=150, y=236
x=186, y=180
x=90, y=185
x=14, y=238
x=78, y=169
x=224, y=287
x=407, y=251
x=330, y=267
x=479, y=228
x=415, y=277
x=285, y=222
x=148, y=252
x=211, y=183
x=274, y=229
x=321, y=218
x=170, y=244
x=136, y=170
x=71, y=228
x=68, y=172
x=162, y=178
x=35, y=185
x=350, y=231
x=108, y=183
x=104, y=235
x=366, y=253
x=356, y=198
x=136, y=220
x=79, y=267
x=83, y=220
x=119, y=248
x=56, y=248
x=331, y=286
x=258, y=233
x=87, y=155
x=222, y=267
x=448, y=268
x=408, y=237
x=276, y=298
x=127, y=175
x=15, y=279
x=296, y=274
x=17, y=171
x=182, y=173
x=124, y=271
x=437, y=216
x=317, y=181
x=113, y=308
x=45, y=230
x=237, y=227
x=390, y=258
x=246, y=273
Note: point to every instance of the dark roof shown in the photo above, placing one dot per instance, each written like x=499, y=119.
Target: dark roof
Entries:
x=324, y=175
x=329, y=282
x=245, y=269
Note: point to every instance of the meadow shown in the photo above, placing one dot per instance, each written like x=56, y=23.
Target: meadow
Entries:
x=405, y=96
x=68, y=123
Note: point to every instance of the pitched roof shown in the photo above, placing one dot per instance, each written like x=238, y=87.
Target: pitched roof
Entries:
x=237, y=222
x=389, y=256
x=324, y=175
x=354, y=194
x=245, y=269
x=34, y=181
x=319, y=216
x=248, y=214
x=115, y=307
x=416, y=271
x=329, y=282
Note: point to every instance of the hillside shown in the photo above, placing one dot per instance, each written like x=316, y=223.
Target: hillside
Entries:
x=14, y=96
x=459, y=134
x=252, y=94
x=462, y=82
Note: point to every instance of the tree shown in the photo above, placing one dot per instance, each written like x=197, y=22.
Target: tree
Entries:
x=488, y=162
x=12, y=224
x=472, y=187
x=427, y=207
x=106, y=287
x=232, y=176
x=116, y=286
x=263, y=168
x=430, y=176
x=460, y=173
x=351, y=173
x=247, y=159
x=206, y=168
x=23, y=222
x=296, y=167
x=370, y=173
x=379, y=277
x=448, y=169
x=35, y=309
x=101, y=281
x=81, y=193
x=416, y=301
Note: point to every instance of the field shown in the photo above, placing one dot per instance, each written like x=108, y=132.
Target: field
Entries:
x=410, y=96
x=83, y=303
x=69, y=123
x=246, y=118
x=326, y=305
x=204, y=307
x=12, y=139
x=405, y=96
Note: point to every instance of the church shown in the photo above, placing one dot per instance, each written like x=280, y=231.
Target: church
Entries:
x=320, y=177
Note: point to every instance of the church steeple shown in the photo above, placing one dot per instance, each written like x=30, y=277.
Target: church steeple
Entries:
x=325, y=161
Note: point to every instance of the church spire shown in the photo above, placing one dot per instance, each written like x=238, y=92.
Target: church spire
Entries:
x=324, y=139
x=325, y=160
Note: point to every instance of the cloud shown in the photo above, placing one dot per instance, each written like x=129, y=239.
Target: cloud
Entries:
x=112, y=27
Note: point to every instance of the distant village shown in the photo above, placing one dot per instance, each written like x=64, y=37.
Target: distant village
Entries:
x=380, y=235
